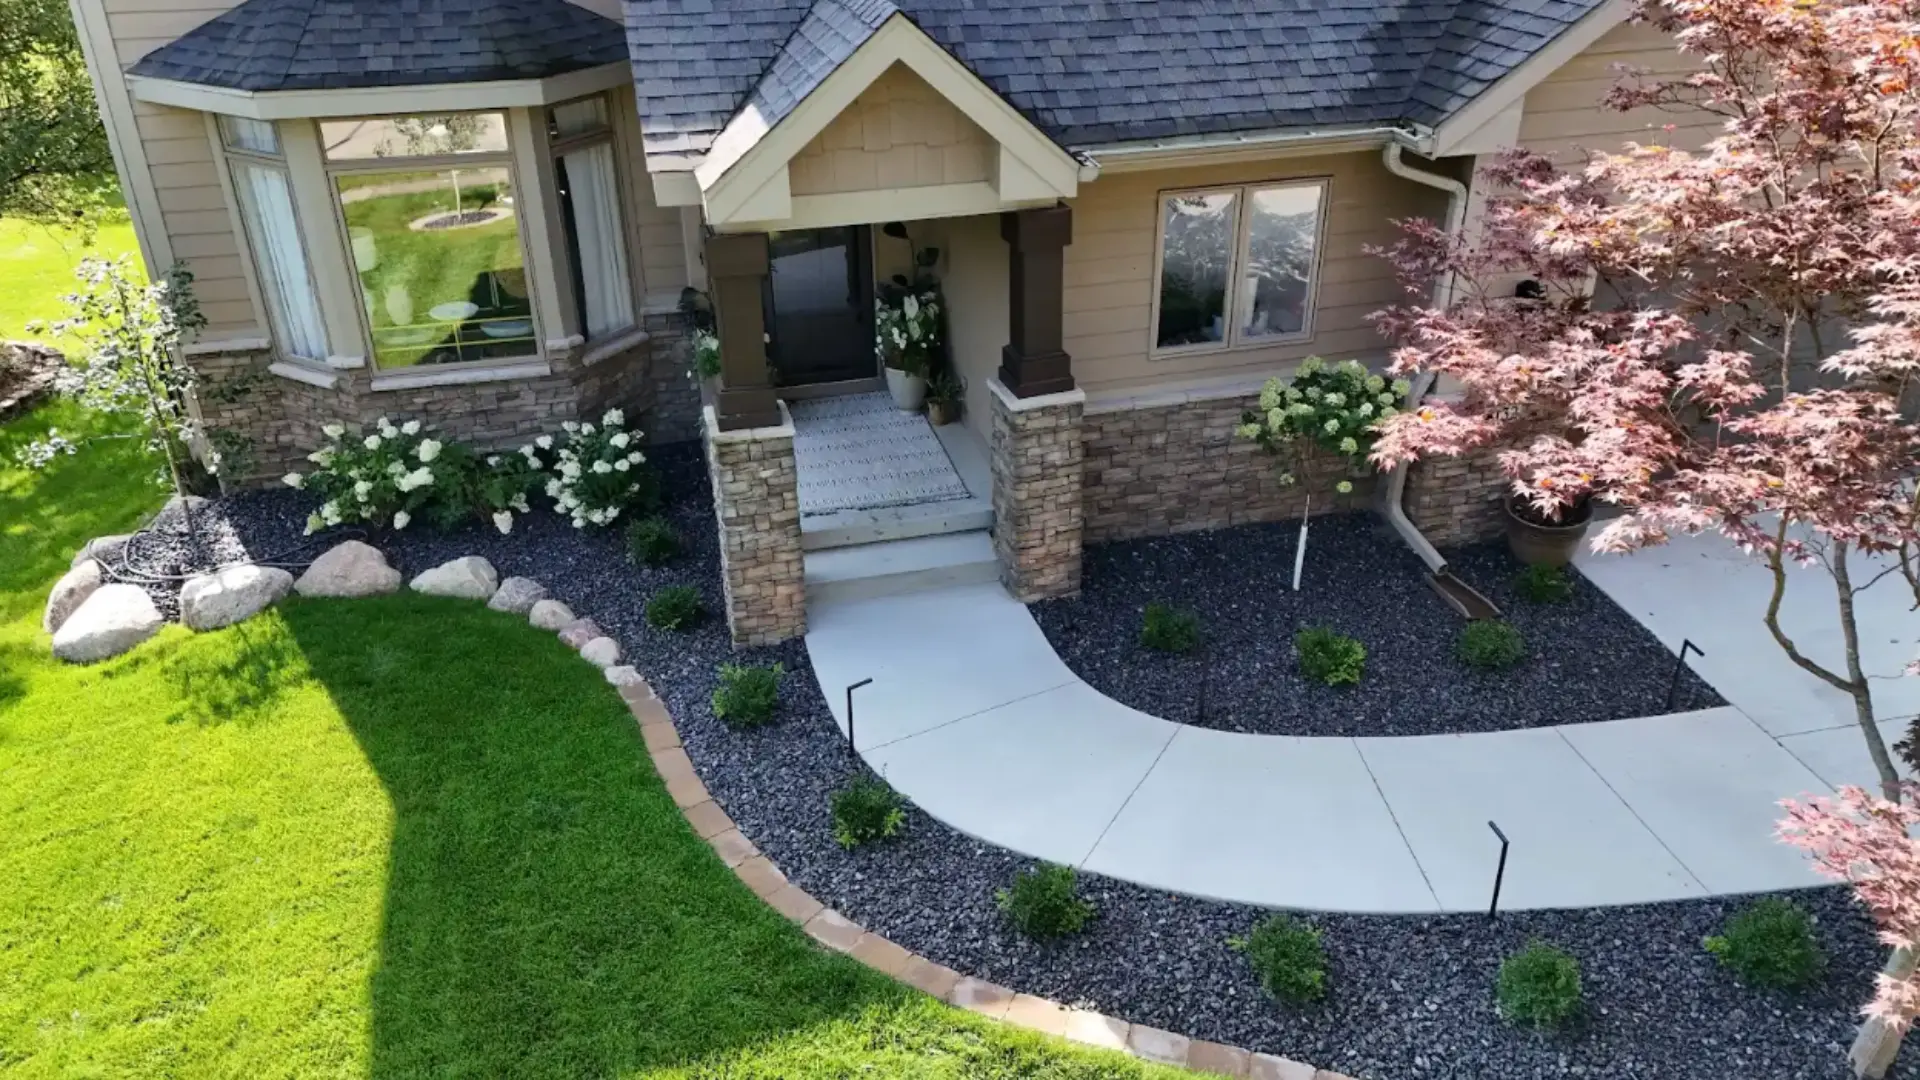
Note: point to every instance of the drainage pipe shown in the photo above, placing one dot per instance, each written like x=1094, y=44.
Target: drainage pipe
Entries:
x=1396, y=493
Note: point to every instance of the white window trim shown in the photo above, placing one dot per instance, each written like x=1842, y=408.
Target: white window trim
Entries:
x=539, y=271
x=1236, y=270
x=256, y=292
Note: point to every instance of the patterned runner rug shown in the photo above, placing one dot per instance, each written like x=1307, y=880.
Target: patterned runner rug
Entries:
x=860, y=453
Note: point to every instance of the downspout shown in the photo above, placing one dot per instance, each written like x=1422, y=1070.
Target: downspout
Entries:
x=1463, y=598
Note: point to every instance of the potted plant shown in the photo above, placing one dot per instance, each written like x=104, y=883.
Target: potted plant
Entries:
x=945, y=392
x=1546, y=535
x=907, y=338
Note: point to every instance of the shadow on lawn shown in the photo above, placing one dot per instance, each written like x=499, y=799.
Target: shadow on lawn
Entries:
x=548, y=911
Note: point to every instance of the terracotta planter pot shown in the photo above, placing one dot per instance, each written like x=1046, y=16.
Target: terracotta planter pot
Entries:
x=1546, y=545
x=909, y=391
x=942, y=413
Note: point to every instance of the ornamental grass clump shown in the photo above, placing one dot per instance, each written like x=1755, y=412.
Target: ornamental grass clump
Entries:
x=1330, y=657
x=675, y=607
x=1169, y=629
x=386, y=476
x=1043, y=903
x=1770, y=945
x=748, y=695
x=866, y=810
x=1490, y=645
x=1539, y=986
x=1287, y=956
x=651, y=541
x=1543, y=585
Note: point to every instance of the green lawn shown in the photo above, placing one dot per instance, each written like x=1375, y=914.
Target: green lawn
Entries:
x=36, y=267
x=292, y=849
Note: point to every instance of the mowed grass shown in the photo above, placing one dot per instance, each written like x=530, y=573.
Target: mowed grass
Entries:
x=36, y=270
x=403, y=837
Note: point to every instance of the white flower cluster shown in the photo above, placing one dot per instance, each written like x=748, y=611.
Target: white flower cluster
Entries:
x=379, y=476
x=593, y=470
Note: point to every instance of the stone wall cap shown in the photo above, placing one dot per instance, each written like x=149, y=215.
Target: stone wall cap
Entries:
x=712, y=419
x=301, y=373
x=226, y=347
x=460, y=376
x=1075, y=396
x=604, y=350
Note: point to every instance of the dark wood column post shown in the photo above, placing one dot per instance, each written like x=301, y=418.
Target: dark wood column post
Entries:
x=737, y=266
x=1033, y=363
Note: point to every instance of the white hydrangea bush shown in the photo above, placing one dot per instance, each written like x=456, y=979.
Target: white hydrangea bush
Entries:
x=597, y=470
x=386, y=475
x=1336, y=407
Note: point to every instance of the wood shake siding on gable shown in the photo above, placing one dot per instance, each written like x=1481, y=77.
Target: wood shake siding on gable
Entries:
x=899, y=133
x=1566, y=114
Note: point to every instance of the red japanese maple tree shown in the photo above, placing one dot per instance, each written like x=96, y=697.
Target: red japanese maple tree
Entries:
x=1725, y=337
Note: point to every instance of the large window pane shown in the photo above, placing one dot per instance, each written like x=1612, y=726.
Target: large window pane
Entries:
x=1276, y=287
x=243, y=133
x=441, y=269
x=414, y=136
x=273, y=237
x=596, y=249
x=1196, y=258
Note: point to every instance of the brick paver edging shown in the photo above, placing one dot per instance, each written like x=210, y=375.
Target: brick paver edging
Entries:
x=837, y=932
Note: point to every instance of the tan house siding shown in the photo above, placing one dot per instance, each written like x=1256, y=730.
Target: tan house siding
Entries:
x=194, y=213
x=1565, y=113
x=974, y=279
x=1110, y=268
x=899, y=133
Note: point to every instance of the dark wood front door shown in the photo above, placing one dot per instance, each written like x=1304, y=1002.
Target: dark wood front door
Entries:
x=820, y=306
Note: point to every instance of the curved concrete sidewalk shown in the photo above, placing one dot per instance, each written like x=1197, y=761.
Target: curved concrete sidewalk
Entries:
x=973, y=716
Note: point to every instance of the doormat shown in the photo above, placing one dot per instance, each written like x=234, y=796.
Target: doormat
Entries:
x=858, y=452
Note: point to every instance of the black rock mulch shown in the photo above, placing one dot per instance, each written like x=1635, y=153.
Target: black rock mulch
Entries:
x=1410, y=997
x=1589, y=660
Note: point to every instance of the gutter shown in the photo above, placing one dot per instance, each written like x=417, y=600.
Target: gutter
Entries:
x=1156, y=152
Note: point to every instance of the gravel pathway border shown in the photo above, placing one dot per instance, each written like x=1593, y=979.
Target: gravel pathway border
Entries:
x=1589, y=660
x=1410, y=996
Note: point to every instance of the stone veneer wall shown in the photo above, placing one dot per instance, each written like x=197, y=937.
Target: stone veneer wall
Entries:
x=1173, y=464
x=1456, y=501
x=1037, y=453
x=675, y=415
x=756, y=499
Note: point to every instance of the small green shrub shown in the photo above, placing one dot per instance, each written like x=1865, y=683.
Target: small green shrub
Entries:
x=1539, y=986
x=674, y=608
x=1770, y=945
x=1042, y=903
x=866, y=810
x=1490, y=645
x=1543, y=584
x=748, y=695
x=651, y=541
x=1329, y=657
x=1169, y=629
x=1286, y=955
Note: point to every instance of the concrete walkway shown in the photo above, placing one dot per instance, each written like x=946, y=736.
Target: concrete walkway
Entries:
x=973, y=716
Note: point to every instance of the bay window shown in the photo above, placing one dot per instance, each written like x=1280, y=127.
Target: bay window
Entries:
x=1237, y=266
x=265, y=203
x=589, y=193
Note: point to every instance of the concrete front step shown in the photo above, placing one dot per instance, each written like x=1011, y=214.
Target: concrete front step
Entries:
x=900, y=566
x=847, y=528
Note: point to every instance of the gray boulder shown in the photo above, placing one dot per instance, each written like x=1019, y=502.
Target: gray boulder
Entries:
x=106, y=549
x=518, y=595
x=468, y=578
x=624, y=675
x=601, y=652
x=70, y=592
x=349, y=568
x=579, y=632
x=550, y=615
x=114, y=619
x=211, y=601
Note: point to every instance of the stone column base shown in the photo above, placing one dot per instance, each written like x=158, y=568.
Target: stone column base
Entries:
x=1456, y=500
x=756, y=500
x=1038, y=456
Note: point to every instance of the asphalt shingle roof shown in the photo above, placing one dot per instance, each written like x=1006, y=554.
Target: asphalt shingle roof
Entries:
x=267, y=45
x=1089, y=72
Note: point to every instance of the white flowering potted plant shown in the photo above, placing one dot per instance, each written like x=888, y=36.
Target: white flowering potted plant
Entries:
x=1330, y=409
x=384, y=476
x=597, y=470
x=907, y=338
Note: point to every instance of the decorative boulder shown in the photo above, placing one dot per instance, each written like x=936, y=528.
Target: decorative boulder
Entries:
x=114, y=619
x=106, y=549
x=550, y=615
x=601, y=652
x=70, y=592
x=579, y=632
x=624, y=675
x=518, y=595
x=467, y=578
x=212, y=601
x=349, y=568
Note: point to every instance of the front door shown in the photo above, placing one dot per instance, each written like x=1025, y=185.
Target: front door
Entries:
x=820, y=306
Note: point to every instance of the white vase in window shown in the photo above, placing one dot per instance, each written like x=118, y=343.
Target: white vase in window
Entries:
x=399, y=305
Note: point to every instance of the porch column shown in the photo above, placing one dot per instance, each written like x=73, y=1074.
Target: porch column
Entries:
x=1033, y=362
x=737, y=266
